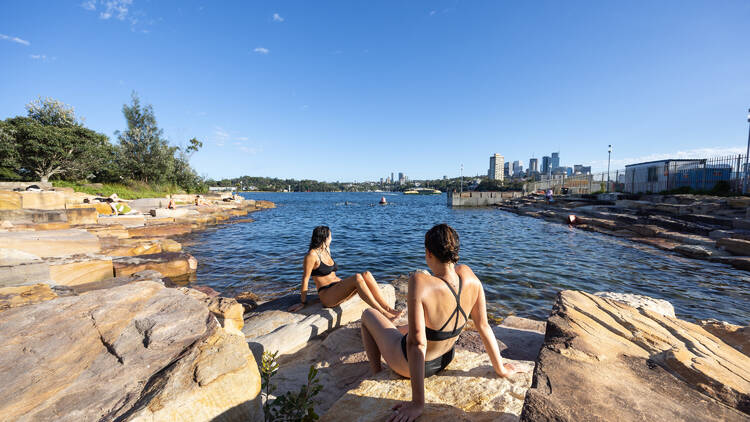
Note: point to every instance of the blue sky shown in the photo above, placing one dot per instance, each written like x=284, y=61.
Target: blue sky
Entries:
x=356, y=90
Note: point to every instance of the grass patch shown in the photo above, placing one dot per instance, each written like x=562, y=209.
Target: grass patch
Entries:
x=134, y=190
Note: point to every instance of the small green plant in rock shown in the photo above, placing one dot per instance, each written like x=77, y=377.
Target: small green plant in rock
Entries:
x=290, y=406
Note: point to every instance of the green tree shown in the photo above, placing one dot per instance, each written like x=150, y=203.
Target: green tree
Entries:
x=143, y=153
x=45, y=150
x=9, y=158
x=49, y=111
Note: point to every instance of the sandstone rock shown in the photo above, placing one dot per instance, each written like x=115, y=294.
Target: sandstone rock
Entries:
x=135, y=352
x=127, y=220
x=226, y=310
x=58, y=225
x=521, y=338
x=738, y=203
x=21, y=268
x=270, y=327
x=79, y=269
x=264, y=204
x=694, y=251
x=101, y=207
x=248, y=300
x=145, y=205
x=660, y=306
x=111, y=230
x=51, y=243
x=10, y=200
x=468, y=390
x=733, y=335
x=164, y=212
x=720, y=234
x=657, y=243
x=735, y=246
x=153, y=221
x=160, y=230
x=646, y=230
x=5, y=225
x=169, y=264
x=604, y=360
x=13, y=297
x=690, y=239
x=45, y=200
x=80, y=216
x=739, y=262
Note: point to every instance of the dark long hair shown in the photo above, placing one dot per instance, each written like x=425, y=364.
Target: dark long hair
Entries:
x=319, y=236
x=442, y=241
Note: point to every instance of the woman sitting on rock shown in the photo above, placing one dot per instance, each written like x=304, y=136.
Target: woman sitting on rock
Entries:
x=437, y=309
x=332, y=290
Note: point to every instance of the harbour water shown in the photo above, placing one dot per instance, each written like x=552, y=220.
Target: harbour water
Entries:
x=523, y=262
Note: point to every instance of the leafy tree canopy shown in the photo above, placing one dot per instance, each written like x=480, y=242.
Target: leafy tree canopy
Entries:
x=49, y=111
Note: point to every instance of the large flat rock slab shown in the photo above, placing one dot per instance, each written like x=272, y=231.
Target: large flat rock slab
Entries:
x=19, y=268
x=51, y=243
x=467, y=390
x=79, y=269
x=45, y=200
x=13, y=297
x=605, y=360
x=81, y=216
x=160, y=230
x=169, y=264
x=270, y=327
x=139, y=352
x=126, y=220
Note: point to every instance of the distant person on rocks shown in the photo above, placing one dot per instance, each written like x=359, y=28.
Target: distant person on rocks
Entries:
x=438, y=307
x=332, y=290
x=119, y=207
x=171, y=204
x=549, y=196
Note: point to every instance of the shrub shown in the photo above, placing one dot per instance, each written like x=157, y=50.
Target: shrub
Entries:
x=290, y=406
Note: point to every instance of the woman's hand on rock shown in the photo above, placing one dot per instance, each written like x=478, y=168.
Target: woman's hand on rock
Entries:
x=296, y=307
x=406, y=412
x=508, y=369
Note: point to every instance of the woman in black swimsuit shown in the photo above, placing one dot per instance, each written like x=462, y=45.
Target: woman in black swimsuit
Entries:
x=438, y=300
x=332, y=290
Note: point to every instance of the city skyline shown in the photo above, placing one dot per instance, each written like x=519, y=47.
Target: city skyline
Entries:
x=303, y=90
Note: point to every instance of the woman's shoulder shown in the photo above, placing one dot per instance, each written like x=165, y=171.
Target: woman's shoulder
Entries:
x=466, y=274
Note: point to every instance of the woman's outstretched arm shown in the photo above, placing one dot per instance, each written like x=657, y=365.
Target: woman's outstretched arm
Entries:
x=307, y=267
x=479, y=316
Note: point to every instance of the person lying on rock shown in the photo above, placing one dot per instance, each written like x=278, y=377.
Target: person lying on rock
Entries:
x=332, y=290
x=437, y=306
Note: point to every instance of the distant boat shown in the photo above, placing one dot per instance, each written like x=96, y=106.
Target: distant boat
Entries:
x=422, y=191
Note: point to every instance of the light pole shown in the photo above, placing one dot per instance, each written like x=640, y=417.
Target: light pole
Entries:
x=461, y=189
x=609, y=159
x=744, y=179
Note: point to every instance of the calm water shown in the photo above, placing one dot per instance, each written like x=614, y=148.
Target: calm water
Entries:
x=523, y=262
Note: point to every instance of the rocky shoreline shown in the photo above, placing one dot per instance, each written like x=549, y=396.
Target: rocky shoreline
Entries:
x=716, y=229
x=92, y=328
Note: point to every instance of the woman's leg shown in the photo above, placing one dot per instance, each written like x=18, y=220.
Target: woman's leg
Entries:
x=376, y=293
x=380, y=337
x=344, y=289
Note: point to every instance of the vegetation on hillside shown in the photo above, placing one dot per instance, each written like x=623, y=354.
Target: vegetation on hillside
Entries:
x=52, y=143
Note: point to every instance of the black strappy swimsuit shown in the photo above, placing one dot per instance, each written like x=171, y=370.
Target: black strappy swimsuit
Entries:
x=324, y=270
x=436, y=365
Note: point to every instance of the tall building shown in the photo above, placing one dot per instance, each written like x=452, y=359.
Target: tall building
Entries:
x=517, y=168
x=392, y=179
x=507, y=170
x=581, y=169
x=533, y=165
x=401, y=179
x=545, y=165
x=555, y=161
x=496, y=167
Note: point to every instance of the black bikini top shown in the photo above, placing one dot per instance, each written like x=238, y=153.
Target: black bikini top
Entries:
x=439, y=335
x=324, y=269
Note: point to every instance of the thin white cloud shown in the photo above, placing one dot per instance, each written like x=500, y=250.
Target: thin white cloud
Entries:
x=277, y=18
x=619, y=163
x=249, y=150
x=261, y=50
x=220, y=136
x=242, y=138
x=38, y=56
x=89, y=5
x=117, y=8
x=432, y=12
x=14, y=39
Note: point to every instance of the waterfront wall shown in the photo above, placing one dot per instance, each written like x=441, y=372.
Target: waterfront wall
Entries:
x=480, y=199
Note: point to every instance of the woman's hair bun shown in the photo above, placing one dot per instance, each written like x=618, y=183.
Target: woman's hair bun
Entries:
x=442, y=241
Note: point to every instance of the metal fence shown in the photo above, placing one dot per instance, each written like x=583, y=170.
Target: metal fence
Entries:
x=719, y=174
